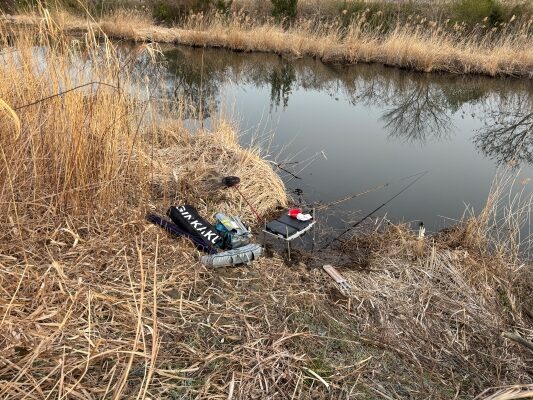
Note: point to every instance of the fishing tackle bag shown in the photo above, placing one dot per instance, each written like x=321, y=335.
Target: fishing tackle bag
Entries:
x=176, y=231
x=242, y=255
x=186, y=217
x=233, y=232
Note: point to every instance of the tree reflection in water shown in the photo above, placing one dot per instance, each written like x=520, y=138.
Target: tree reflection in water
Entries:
x=281, y=81
x=508, y=133
x=417, y=114
x=196, y=81
x=418, y=107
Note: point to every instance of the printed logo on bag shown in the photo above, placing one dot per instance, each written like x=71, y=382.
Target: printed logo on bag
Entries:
x=198, y=226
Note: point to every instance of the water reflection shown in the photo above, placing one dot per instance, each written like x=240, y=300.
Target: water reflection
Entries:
x=281, y=81
x=197, y=81
x=418, y=113
x=508, y=133
x=417, y=108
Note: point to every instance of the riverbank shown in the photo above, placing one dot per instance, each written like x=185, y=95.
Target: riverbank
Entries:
x=419, y=44
x=98, y=303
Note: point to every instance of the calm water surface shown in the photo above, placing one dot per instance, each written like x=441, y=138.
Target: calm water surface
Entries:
x=344, y=129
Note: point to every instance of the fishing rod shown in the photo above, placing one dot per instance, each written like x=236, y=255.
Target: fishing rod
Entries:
x=352, y=196
x=233, y=182
x=421, y=175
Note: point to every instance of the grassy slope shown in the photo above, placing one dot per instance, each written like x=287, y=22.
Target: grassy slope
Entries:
x=96, y=303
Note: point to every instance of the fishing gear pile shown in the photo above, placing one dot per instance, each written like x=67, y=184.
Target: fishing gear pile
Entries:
x=229, y=234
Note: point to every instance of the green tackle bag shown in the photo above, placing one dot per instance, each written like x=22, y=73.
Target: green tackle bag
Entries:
x=233, y=232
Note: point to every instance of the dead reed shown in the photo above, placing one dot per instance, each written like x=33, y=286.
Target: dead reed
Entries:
x=419, y=44
x=70, y=120
x=83, y=278
x=192, y=168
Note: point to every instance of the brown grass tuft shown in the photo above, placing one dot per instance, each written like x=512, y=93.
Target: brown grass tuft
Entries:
x=195, y=165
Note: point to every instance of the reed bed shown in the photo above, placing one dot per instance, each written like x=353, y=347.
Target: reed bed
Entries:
x=448, y=302
x=70, y=129
x=418, y=43
x=97, y=303
x=195, y=164
x=84, y=126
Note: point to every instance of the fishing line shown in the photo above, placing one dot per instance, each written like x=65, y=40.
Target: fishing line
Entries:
x=65, y=92
x=367, y=191
x=421, y=175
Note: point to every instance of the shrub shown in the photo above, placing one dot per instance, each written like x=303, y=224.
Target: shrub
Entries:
x=201, y=6
x=173, y=10
x=479, y=11
x=204, y=6
x=6, y=6
x=15, y=5
x=74, y=6
x=284, y=9
x=381, y=15
x=166, y=11
x=223, y=6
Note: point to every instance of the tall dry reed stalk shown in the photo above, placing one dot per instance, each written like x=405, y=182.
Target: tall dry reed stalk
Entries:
x=504, y=224
x=69, y=147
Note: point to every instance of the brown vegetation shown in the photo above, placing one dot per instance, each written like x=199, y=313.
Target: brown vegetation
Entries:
x=97, y=303
x=413, y=42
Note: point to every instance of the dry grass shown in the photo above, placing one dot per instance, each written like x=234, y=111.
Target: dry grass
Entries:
x=194, y=165
x=444, y=311
x=419, y=44
x=60, y=159
x=126, y=24
x=444, y=302
x=82, y=295
x=97, y=303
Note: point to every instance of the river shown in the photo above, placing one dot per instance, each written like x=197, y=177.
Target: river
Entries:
x=337, y=130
